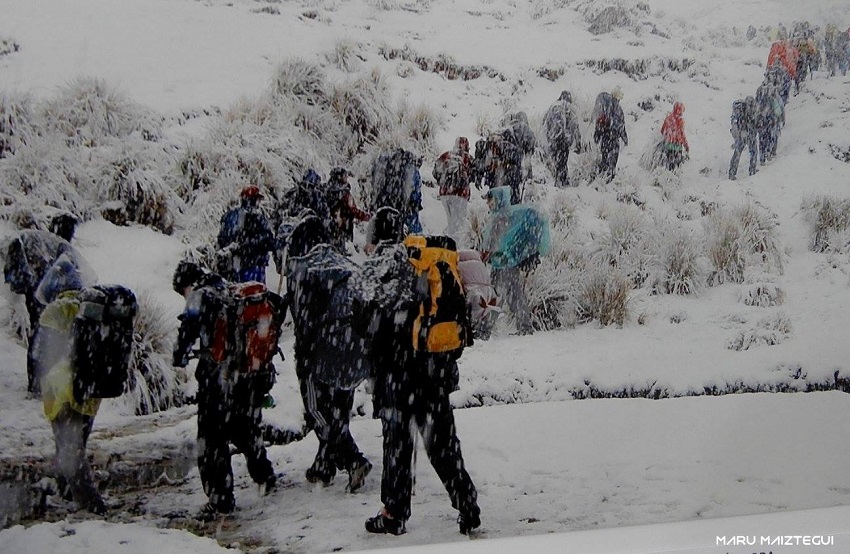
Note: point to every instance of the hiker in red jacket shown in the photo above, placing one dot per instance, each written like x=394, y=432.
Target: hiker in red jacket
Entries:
x=675, y=143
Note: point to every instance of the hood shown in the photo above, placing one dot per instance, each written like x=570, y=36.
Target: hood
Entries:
x=501, y=197
x=678, y=109
x=462, y=145
x=62, y=276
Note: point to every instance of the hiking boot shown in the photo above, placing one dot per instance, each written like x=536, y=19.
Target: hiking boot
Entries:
x=382, y=524
x=269, y=485
x=314, y=476
x=468, y=521
x=357, y=474
x=209, y=512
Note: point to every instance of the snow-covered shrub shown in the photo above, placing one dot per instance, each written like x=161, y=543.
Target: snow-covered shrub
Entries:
x=603, y=295
x=542, y=8
x=553, y=286
x=361, y=104
x=154, y=384
x=301, y=80
x=603, y=20
x=761, y=289
x=18, y=124
x=87, y=112
x=44, y=173
x=130, y=187
x=829, y=219
x=681, y=260
x=725, y=249
x=7, y=46
x=345, y=55
x=561, y=211
x=628, y=243
x=738, y=238
x=769, y=331
x=760, y=235
x=420, y=124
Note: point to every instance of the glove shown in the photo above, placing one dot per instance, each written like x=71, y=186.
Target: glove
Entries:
x=180, y=360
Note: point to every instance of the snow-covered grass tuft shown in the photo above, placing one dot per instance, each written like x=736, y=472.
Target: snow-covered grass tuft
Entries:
x=682, y=264
x=299, y=79
x=829, y=220
x=88, y=111
x=17, y=122
x=154, y=385
x=345, y=55
x=769, y=331
x=603, y=296
x=761, y=289
x=739, y=238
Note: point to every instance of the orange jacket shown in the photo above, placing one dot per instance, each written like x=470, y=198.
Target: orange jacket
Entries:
x=673, y=129
x=784, y=53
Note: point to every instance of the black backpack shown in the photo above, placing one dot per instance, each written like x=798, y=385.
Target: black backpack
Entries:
x=103, y=341
x=328, y=304
x=392, y=180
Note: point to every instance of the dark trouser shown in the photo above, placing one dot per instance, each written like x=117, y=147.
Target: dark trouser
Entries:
x=674, y=158
x=736, y=156
x=559, y=151
x=768, y=138
x=610, y=155
x=229, y=413
x=34, y=309
x=327, y=412
x=431, y=413
x=71, y=432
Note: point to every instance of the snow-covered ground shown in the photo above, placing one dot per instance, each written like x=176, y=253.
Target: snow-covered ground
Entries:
x=549, y=465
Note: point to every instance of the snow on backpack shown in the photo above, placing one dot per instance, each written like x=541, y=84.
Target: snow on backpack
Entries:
x=247, y=329
x=103, y=341
x=393, y=180
x=442, y=325
x=739, y=117
x=332, y=312
x=450, y=172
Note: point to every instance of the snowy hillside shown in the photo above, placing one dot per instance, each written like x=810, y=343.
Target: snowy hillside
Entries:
x=200, y=96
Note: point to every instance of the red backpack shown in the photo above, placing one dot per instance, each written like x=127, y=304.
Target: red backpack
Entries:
x=247, y=330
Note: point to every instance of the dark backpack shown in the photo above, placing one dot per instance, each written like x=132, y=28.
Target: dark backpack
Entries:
x=247, y=329
x=393, y=180
x=740, y=117
x=453, y=174
x=328, y=309
x=103, y=341
x=442, y=325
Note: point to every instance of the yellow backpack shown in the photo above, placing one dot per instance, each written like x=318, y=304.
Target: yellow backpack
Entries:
x=442, y=325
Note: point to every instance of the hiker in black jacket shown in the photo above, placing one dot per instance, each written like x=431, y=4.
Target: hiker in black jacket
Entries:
x=229, y=407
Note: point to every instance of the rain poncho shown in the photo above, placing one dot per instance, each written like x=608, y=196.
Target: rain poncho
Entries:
x=31, y=255
x=514, y=233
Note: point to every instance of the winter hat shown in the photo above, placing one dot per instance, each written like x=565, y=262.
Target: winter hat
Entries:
x=617, y=93
x=338, y=174
x=186, y=275
x=251, y=191
x=311, y=178
x=566, y=96
x=62, y=276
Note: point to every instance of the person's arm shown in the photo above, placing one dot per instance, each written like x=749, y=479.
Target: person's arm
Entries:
x=190, y=328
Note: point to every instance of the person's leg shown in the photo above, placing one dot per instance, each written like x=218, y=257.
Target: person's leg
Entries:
x=214, y=448
x=318, y=406
x=71, y=431
x=733, y=163
x=246, y=433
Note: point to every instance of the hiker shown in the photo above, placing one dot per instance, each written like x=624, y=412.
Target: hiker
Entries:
x=744, y=135
x=524, y=139
x=452, y=171
x=411, y=391
x=396, y=183
x=229, y=397
x=71, y=413
x=514, y=239
x=784, y=55
x=676, y=146
x=769, y=114
x=342, y=207
x=503, y=163
x=480, y=295
x=610, y=128
x=562, y=134
x=330, y=356
x=244, y=239
x=28, y=257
